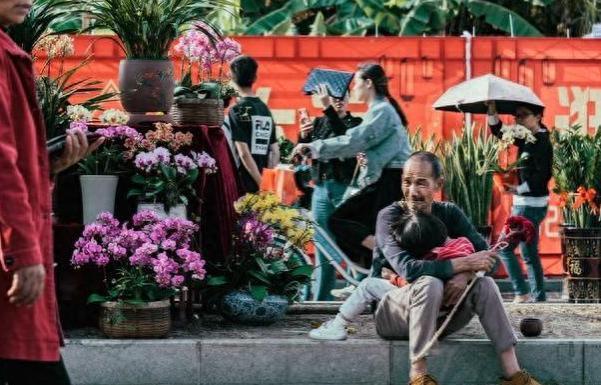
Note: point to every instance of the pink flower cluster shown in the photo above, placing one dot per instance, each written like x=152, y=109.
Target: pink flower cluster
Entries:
x=196, y=47
x=120, y=132
x=159, y=247
x=257, y=233
x=150, y=161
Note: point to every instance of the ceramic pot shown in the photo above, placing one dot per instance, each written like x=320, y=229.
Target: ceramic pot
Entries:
x=97, y=195
x=240, y=307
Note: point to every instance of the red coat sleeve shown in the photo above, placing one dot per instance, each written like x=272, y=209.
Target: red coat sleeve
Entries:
x=19, y=246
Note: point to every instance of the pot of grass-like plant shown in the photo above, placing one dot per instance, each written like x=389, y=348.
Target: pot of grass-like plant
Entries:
x=146, y=30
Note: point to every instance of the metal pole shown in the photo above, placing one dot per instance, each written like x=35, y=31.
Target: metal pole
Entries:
x=468, y=68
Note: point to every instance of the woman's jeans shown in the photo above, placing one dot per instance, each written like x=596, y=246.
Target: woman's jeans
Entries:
x=326, y=197
x=530, y=256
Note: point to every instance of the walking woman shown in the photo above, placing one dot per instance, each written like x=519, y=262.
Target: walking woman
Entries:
x=382, y=137
x=530, y=197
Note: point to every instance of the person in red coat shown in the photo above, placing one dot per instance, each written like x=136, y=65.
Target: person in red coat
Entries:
x=29, y=325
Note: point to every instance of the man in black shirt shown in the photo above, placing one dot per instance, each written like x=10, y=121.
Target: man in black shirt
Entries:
x=253, y=128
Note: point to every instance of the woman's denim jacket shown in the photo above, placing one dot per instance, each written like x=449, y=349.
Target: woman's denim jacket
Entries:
x=381, y=136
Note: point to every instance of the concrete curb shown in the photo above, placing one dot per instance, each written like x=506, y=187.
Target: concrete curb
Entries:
x=302, y=361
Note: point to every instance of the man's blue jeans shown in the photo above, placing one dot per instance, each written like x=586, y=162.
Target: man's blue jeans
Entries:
x=530, y=256
x=326, y=197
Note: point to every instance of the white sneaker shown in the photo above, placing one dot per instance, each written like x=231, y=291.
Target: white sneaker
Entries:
x=329, y=331
x=343, y=293
x=522, y=298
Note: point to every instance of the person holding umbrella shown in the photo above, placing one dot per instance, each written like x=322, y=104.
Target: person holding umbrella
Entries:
x=530, y=195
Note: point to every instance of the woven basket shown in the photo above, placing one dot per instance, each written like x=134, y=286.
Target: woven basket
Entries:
x=198, y=111
x=122, y=320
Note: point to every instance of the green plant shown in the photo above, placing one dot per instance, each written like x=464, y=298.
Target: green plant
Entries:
x=469, y=161
x=267, y=255
x=54, y=95
x=43, y=14
x=286, y=147
x=147, y=28
x=577, y=171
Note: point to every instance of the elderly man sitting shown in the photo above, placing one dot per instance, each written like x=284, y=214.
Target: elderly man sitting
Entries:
x=414, y=311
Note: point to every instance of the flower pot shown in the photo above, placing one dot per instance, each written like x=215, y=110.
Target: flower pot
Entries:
x=240, y=307
x=123, y=320
x=178, y=211
x=146, y=86
x=581, y=258
x=97, y=195
x=198, y=111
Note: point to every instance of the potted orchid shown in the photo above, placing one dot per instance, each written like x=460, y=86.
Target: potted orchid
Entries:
x=100, y=170
x=204, y=87
x=267, y=269
x=144, y=262
x=165, y=173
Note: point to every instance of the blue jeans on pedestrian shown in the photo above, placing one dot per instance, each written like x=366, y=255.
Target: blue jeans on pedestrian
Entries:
x=326, y=197
x=530, y=255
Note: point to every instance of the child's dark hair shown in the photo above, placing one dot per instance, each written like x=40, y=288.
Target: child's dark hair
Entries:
x=418, y=233
x=244, y=70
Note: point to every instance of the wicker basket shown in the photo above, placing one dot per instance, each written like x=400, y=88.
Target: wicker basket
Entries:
x=198, y=111
x=123, y=320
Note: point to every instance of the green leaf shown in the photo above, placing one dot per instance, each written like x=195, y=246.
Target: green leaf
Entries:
x=139, y=179
x=302, y=271
x=218, y=280
x=258, y=292
x=262, y=265
x=499, y=17
x=168, y=171
x=97, y=298
x=278, y=267
x=259, y=276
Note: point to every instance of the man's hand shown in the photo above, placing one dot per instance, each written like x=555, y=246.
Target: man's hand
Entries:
x=323, y=95
x=455, y=287
x=479, y=261
x=27, y=286
x=76, y=148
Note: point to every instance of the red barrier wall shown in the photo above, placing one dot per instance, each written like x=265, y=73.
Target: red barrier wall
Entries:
x=565, y=73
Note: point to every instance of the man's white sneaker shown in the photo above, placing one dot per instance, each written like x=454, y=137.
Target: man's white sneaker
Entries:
x=343, y=293
x=329, y=331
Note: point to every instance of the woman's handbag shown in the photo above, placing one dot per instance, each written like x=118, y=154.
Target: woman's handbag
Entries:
x=353, y=187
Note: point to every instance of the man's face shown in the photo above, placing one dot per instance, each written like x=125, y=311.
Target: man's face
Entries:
x=341, y=104
x=13, y=11
x=419, y=185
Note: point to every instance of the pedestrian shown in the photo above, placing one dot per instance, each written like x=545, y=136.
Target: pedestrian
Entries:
x=530, y=197
x=252, y=126
x=383, y=138
x=330, y=177
x=30, y=330
x=414, y=311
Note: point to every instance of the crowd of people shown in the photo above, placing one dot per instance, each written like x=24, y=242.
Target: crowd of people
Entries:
x=427, y=250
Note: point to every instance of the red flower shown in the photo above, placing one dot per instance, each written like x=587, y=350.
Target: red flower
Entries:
x=518, y=229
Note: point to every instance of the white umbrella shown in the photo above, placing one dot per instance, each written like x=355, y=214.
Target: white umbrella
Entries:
x=470, y=95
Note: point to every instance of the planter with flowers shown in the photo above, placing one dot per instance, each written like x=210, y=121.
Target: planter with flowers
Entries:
x=267, y=269
x=508, y=175
x=167, y=175
x=576, y=169
x=203, y=52
x=146, y=30
x=144, y=263
x=100, y=170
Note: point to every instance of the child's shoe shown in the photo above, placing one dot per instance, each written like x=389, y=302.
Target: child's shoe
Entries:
x=331, y=330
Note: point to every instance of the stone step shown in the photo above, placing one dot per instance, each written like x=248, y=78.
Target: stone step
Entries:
x=300, y=361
